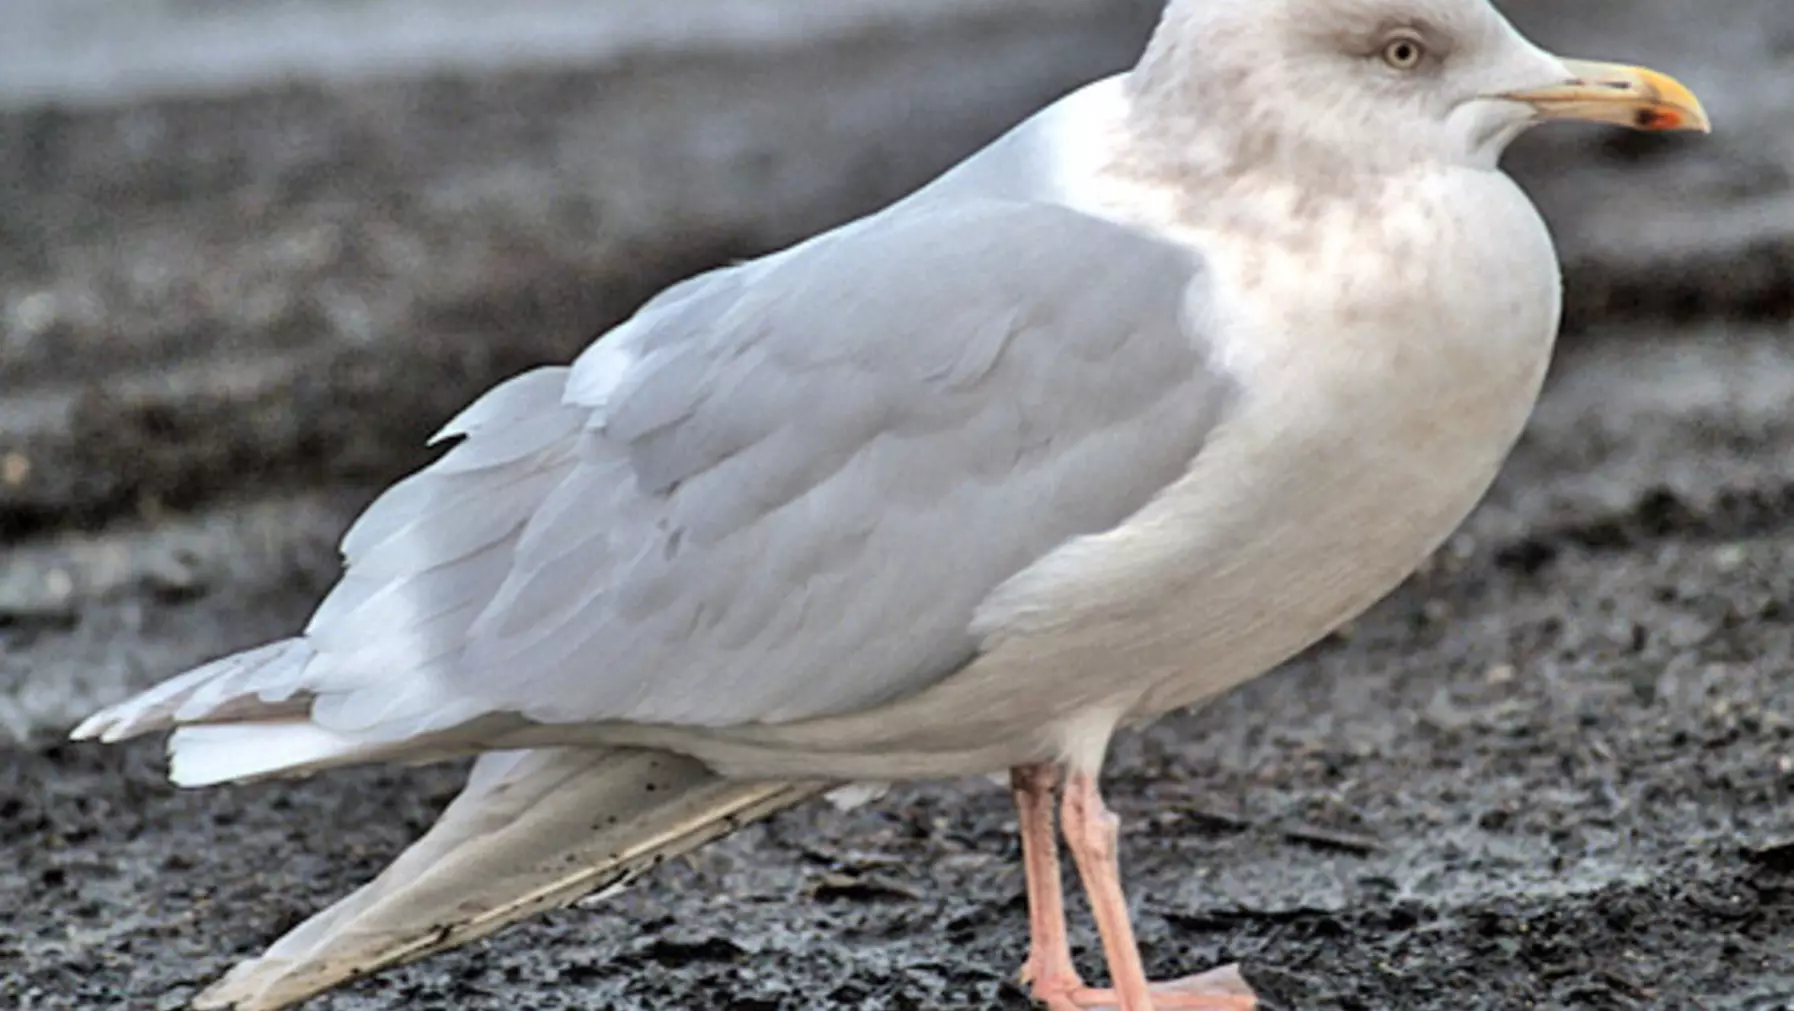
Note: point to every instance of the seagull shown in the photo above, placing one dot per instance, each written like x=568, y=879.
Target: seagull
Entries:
x=1134, y=404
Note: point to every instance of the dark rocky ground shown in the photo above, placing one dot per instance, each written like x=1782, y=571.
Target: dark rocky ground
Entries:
x=1552, y=772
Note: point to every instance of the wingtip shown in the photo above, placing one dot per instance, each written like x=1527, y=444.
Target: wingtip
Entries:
x=262, y=984
x=233, y=990
x=101, y=726
x=216, y=997
x=108, y=726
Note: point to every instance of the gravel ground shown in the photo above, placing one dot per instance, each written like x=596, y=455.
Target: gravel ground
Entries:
x=1551, y=772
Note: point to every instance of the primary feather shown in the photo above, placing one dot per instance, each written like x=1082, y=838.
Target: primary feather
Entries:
x=532, y=830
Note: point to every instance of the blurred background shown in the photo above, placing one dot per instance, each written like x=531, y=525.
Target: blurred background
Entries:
x=253, y=252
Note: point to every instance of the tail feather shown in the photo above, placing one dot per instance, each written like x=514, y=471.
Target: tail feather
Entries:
x=228, y=689
x=251, y=716
x=532, y=830
x=208, y=754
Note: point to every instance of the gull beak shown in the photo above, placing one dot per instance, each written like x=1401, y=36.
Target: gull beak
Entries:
x=1613, y=93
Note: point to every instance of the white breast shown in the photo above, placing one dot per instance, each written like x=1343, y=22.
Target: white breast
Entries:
x=1386, y=373
x=1386, y=381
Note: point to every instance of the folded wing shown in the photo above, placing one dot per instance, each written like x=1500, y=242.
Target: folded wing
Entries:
x=779, y=492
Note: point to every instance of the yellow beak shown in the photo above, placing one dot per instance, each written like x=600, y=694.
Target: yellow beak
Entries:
x=1613, y=93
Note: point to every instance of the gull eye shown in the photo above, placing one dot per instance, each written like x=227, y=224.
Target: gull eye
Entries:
x=1404, y=51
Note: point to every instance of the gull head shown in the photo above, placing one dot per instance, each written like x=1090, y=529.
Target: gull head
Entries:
x=1348, y=87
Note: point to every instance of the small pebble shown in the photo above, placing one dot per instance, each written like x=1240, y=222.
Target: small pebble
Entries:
x=15, y=469
x=1730, y=557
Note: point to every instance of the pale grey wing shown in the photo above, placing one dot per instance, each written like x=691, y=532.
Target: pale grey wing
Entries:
x=801, y=476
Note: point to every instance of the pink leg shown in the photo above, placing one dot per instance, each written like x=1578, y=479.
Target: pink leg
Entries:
x=1092, y=833
x=1049, y=970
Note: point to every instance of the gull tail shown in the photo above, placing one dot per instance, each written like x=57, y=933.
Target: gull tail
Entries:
x=255, y=685
x=532, y=830
x=246, y=717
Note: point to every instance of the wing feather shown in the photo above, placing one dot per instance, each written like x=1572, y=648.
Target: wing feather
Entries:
x=780, y=491
x=828, y=447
